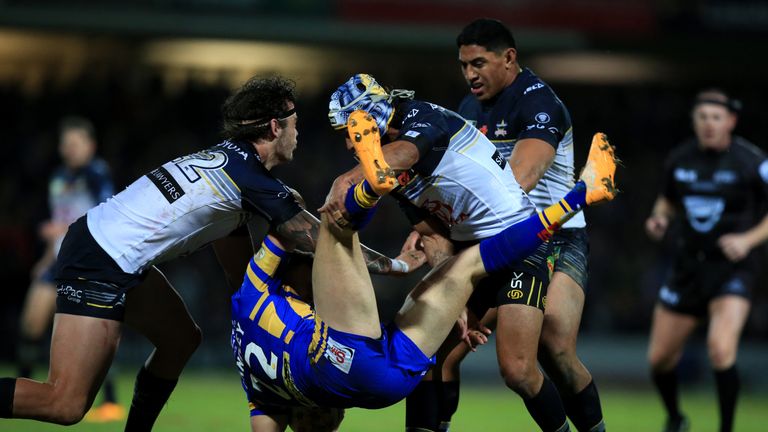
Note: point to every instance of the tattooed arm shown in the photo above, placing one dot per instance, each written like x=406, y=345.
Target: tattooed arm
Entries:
x=301, y=232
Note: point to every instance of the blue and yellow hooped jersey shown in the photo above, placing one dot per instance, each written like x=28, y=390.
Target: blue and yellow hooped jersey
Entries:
x=266, y=316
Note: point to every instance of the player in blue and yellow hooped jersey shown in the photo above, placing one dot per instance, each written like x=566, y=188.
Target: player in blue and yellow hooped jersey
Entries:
x=318, y=342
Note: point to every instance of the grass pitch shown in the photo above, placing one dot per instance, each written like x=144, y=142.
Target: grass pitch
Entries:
x=214, y=401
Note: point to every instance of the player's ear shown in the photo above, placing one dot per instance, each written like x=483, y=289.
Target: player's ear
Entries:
x=510, y=56
x=275, y=127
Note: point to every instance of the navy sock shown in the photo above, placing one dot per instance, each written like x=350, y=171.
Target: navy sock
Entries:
x=149, y=396
x=727, y=382
x=109, y=390
x=7, y=389
x=547, y=410
x=666, y=384
x=518, y=241
x=449, y=403
x=422, y=407
x=584, y=410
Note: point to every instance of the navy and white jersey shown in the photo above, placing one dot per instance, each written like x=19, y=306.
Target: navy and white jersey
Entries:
x=72, y=193
x=187, y=203
x=460, y=177
x=528, y=108
x=716, y=193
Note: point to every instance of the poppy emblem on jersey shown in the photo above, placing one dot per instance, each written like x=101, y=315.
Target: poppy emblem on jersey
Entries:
x=484, y=129
x=501, y=129
x=340, y=355
x=542, y=117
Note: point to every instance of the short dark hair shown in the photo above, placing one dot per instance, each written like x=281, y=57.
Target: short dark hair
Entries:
x=77, y=122
x=246, y=114
x=717, y=96
x=489, y=33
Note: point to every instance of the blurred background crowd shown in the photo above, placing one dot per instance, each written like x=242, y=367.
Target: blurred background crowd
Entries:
x=152, y=75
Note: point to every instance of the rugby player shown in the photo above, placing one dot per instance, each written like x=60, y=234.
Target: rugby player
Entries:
x=531, y=128
x=716, y=184
x=80, y=183
x=106, y=273
x=453, y=182
x=306, y=332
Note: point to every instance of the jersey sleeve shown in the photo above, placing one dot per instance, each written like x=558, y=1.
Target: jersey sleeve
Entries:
x=761, y=182
x=424, y=129
x=543, y=117
x=267, y=260
x=268, y=197
x=99, y=179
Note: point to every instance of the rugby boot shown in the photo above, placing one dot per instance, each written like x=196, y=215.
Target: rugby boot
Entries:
x=599, y=170
x=366, y=140
x=679, y=424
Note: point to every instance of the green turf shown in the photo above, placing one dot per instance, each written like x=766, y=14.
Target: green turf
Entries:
x=214, y=402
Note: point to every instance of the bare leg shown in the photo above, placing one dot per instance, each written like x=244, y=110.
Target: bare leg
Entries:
x=669, y=332
x=517, y=342
x=267, y=423
x=341, y=285
x=155, y=310
x=728, y=314
x=565, y=302
x=82, y=349
x=431, y=309
x=39, y=307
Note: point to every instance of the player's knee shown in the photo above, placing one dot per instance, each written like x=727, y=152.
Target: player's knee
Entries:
x=661, y=361
x=193, y=339
x=521, y=375
x=721, y=354
x=67, y=410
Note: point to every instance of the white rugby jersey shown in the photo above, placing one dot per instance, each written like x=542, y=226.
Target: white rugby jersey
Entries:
x=460, y=177
x=187, y=203
x=528, y=108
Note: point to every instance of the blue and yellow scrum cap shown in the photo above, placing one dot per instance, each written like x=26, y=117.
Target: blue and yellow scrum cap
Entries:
x=362, y=92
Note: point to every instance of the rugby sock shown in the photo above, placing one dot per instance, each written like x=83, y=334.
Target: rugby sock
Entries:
x=360, y=203
x=547, y=410
x=584, y=410
x=666, y=384
x=518, y=241
x=727, y=382
x=149, y=395
x=422, y=407
x=7, y=389
x=449, y=403
x=109, y=390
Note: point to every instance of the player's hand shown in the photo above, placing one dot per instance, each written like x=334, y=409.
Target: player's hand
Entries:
x=413, y=259
x=735, y=247
x=334, y=202
x=656, y=226
x=412, y=243
x=50, y=230
x=471, y=331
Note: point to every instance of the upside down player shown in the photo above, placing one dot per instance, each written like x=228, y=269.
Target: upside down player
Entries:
x=717, y=185
x=107, y=275
x=523, y=117
x=317, y=341
x=455, y=183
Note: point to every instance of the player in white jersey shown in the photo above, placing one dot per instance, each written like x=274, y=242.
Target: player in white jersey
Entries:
x=450, y=173
x=531, y=127
x=106, y=274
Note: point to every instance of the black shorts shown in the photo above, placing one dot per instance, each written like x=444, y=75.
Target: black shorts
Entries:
x=571, y=251
x=88, y=281
x=526, y=283
x=694, y=283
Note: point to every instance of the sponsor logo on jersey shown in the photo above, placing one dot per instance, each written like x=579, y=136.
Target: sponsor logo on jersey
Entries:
x=72, y=294
x=498, y=159
x=542, y=117
x=412, y=113
x=501, y=129
x=533, y=87
x=685, y=175
x=764, y=170
x=444, y=212
x=420, y=125
x=412, y=134
x=703, y=211
x=515, y=294
x=725, y=177
x=167, y=185
x=339, y=355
